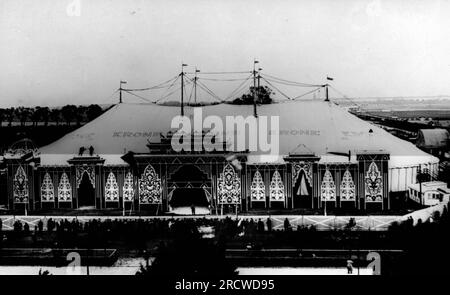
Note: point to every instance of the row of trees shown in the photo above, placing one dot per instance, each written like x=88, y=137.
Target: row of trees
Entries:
x=66, y=114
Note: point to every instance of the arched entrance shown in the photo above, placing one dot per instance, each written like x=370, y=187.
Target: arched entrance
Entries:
x=188, y=191
x=86, y=192
x=302, y=191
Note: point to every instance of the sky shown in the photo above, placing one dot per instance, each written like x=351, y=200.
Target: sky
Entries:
x=55, y=52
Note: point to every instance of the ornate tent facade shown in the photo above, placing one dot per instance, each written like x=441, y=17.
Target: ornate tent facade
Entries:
x=326, y=156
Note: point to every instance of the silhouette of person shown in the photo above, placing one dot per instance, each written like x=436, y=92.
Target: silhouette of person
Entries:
x=269, y=224
x=349, y=266
x=287, y=225
x=91, y=150
x=193, y=209
x=81, y=151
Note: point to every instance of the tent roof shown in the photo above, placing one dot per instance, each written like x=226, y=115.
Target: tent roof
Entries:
x=433, y=138
x=317, y=126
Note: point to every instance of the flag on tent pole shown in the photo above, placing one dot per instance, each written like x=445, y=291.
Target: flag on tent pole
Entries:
x=329, y=78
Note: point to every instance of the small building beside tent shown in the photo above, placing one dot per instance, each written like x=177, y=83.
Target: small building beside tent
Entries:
x=431, y=193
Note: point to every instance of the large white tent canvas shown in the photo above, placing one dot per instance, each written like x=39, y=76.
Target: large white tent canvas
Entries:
x=322, y=127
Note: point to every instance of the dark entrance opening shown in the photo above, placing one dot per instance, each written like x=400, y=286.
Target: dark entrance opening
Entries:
x=189, y=180
x=185, y=197
x=302, y=192
x=86, y=192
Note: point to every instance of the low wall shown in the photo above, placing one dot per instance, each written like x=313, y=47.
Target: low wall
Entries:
x=321, y=222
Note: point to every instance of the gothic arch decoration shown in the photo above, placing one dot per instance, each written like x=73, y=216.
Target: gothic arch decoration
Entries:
x=229, y=186
x=64, y=189
x=328, y=188
x=150, y=187
x=374, y=184
x=196, y=171
x=128, y=189
x=89, y=170
x=111, y=188
x=47, y=189
x=257, y=188
x=306, y=167
x=20, y=186
x=276, y=187
x=347, y=188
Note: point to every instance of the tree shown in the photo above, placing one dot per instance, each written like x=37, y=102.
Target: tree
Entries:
x=44, y=113
x=93, y=111
x=263, y=96
x=80, y=114
x=23, y=114
x=35, y=115
x=68, y=113
x=55, y=116
x=10, y=113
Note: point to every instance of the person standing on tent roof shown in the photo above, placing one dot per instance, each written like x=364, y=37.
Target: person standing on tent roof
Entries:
x=81, y=151
x=91, y=150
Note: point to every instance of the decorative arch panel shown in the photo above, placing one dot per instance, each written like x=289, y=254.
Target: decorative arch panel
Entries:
x=89, y=170
x=150, y=187
x=111, y=188
x=229, y=186
x=64, y=189
x=20, y=186
x=328, y=188
x=373, y=184
x=128, y=188
x=347, y=188
x=257, y=188
x=47, y=189
x=277, y=192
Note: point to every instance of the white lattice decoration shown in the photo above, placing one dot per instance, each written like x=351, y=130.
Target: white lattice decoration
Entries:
x=347, y=188
x=328, y=188
x=374, y=184
x=150, y=187
x=276, y=187
x=229, y=186
x=111, y=188
x=64, y=189
x=306, y=167
x=257, y=189
x=47, y=189
x=128, y=189
x=79, y=172
x=20, y=186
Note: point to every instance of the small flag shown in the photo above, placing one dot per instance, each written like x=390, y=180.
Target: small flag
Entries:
x=123, y=82
x=256, y=62
x=329, y=78
x=184, y=65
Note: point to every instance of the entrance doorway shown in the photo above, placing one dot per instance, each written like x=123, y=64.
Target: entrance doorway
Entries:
x=302, y=192
x=189, y=196
x=86, y=192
